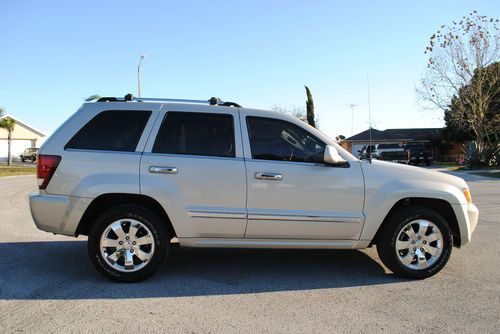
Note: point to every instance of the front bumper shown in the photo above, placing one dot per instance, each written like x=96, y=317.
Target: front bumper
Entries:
x=58, y=214
x=467, y=217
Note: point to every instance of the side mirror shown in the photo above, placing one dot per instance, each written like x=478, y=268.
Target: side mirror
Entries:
x=332, y=157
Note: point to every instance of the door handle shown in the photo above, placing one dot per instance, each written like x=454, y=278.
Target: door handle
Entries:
x=163, y=170
x=269, y=176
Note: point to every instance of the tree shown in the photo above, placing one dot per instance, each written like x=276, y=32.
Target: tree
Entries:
x=8, y=124
x=296, y=112
x=310, y=108
x=460, y=117
x=462, y=75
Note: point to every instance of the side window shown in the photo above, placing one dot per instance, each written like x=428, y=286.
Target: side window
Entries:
x=112, y=130
x=272, y=139
x=196, y=134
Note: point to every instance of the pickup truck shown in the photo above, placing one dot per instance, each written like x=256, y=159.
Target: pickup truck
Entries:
x=419, y=153
x=392, y=152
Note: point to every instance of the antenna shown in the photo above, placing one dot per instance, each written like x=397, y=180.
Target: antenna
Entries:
x=352, y=116
x=369, y=117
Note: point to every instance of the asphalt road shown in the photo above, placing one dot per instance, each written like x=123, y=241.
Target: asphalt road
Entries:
x=47, y=284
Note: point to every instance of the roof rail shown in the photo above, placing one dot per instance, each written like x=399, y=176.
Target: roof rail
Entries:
x=213, y=101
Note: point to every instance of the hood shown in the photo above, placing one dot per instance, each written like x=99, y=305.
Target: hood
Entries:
x=399, y=171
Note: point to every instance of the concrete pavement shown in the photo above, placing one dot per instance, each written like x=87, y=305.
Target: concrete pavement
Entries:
x=47, y=284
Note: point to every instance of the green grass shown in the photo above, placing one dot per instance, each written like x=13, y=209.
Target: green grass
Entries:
x=16, y=170
x=489, y=174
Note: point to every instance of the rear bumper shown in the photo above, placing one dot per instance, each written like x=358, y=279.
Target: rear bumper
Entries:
x=57, y=214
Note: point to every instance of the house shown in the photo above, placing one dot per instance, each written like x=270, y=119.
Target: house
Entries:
x=24, y=136
x=431, y=136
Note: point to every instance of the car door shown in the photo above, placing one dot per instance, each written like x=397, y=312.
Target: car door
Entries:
x=193, y=165
x=292, y=193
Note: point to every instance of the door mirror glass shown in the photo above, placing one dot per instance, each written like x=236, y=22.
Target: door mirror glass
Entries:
x=332, y=156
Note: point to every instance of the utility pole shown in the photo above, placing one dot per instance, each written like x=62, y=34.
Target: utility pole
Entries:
x=352, y=116
x=369, y=114
x=139, y=75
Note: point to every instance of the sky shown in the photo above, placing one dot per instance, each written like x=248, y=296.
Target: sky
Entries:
x=260, y=54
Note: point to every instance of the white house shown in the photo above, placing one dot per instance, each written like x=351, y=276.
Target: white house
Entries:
x=24, y=136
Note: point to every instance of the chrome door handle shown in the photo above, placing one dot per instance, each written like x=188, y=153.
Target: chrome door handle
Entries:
x=269, y=176
x=163, y=170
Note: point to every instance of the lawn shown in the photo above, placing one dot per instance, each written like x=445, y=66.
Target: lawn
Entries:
x=16, y=170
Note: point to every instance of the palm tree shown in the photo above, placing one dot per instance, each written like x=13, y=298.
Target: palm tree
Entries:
x=8, y=124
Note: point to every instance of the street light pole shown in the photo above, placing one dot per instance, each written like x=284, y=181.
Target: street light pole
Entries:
x=139, y=75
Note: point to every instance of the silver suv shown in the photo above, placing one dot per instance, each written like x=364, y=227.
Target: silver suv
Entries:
x=137, y=174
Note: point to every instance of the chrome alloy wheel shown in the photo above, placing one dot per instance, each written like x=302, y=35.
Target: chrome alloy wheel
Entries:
x=419, y=244
x=127, y=245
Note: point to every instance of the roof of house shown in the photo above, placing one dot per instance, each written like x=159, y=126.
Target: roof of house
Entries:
x=32, y=129
x=415, y=134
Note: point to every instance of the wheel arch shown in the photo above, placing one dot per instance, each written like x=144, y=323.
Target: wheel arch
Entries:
x=441, y=206
x=105, y=201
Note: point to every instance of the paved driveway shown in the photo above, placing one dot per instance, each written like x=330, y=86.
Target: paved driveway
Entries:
x=47, y=284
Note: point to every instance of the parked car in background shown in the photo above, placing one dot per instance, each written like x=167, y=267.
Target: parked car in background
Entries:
x=364, y=153
x=392, y=152
x=419, y=153
x=135, y=173
x=29, y=154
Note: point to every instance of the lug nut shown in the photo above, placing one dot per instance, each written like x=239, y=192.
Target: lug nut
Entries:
x=414, y=248
x=131, y=251
x=127, y=237
x=121, y=242
x=424, y=242
x=422, y=249
x=133, y=242
x=418, y=237
x=413, y=242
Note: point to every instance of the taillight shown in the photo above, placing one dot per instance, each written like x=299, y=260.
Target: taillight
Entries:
x=45, y=168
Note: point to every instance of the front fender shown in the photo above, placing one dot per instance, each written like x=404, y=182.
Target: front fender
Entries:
x=380, y=198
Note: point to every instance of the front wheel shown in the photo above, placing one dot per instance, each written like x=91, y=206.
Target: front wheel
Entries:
x=415, y=242
x=128, y=243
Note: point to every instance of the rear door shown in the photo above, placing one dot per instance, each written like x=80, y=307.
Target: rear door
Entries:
x=193, y=164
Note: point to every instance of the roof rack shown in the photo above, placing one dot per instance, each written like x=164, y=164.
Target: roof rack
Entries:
x=213, y=101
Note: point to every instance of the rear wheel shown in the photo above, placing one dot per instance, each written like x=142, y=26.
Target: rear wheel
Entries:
x=128, y=243
x=416, y=242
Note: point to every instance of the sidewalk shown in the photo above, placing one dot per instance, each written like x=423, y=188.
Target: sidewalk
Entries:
x=470, y=175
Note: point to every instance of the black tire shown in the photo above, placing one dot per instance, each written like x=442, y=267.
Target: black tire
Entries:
x=386, y=243
x=145, y=216
x=22, y=159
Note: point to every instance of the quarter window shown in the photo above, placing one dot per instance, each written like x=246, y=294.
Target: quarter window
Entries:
x=196, y=134
x=112, y=130
x=272, y=139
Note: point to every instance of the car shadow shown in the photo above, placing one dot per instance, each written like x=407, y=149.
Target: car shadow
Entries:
x=62, y=270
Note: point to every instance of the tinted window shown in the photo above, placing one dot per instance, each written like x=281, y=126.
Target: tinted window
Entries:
x=113, y=130
x=196, y=134
x=272, y=139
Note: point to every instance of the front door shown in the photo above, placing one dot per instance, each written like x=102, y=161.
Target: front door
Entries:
x=292, y=194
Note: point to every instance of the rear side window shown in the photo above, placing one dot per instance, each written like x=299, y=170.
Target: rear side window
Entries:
x=196, y=134
x=112, y=130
